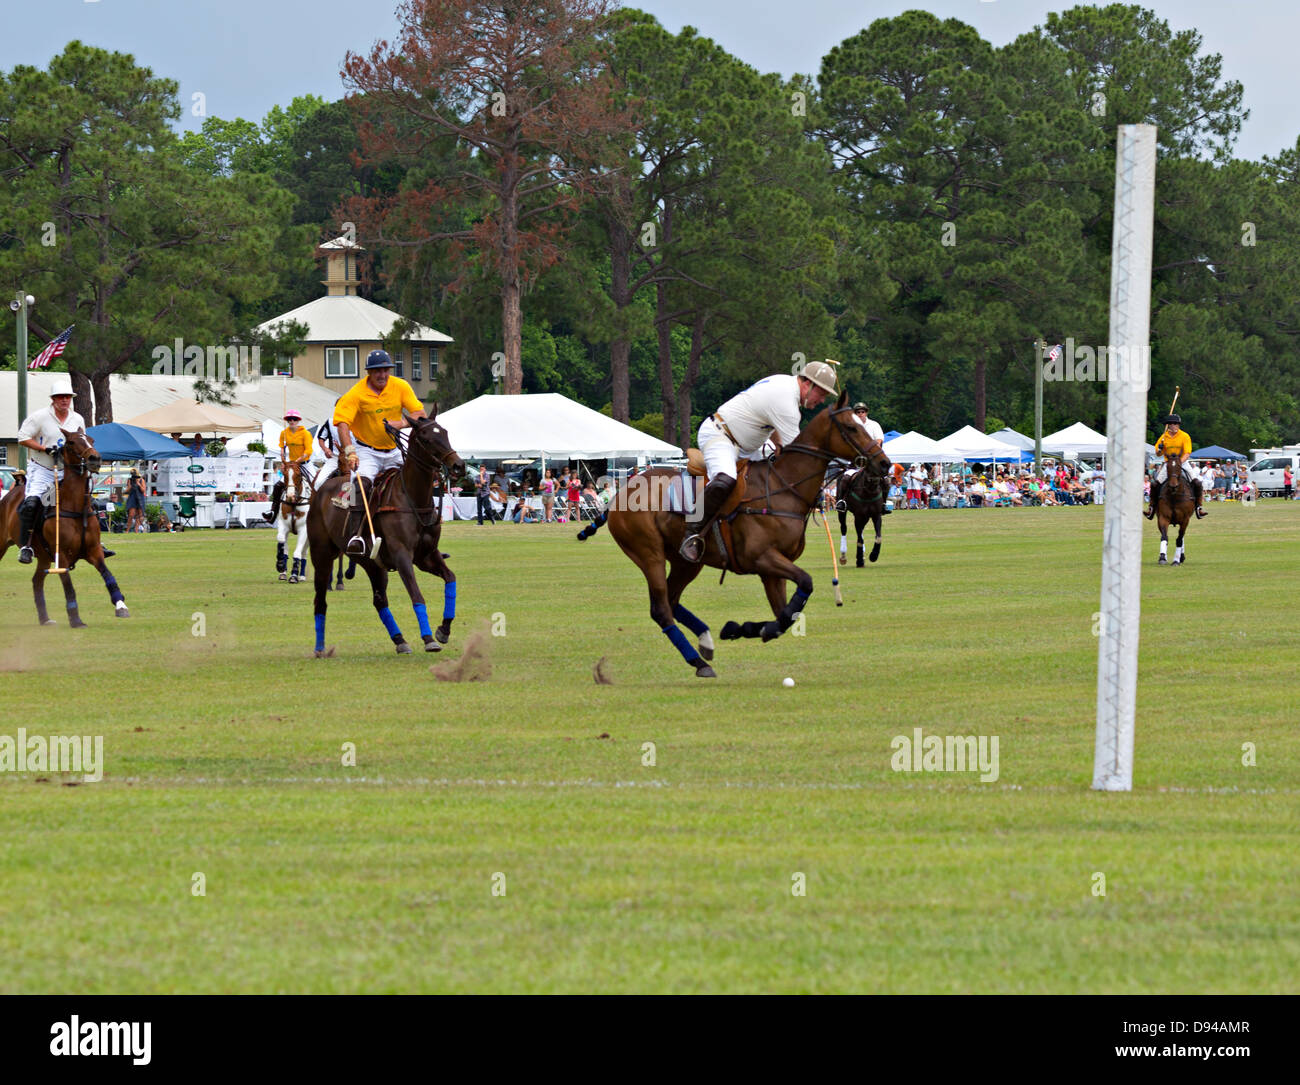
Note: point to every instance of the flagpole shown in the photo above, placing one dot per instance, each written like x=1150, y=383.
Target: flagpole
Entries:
x=1040, y=349
x=19, y=304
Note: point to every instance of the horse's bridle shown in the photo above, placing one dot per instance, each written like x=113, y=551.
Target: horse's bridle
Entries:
x=824, y=455
x=414, y=450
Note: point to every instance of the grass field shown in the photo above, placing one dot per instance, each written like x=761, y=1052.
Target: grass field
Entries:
x=224, y=757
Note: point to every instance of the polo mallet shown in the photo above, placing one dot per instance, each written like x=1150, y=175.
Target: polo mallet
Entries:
x=1177, y=389
x=835, y=562
x=58, y=453
x=365, y=502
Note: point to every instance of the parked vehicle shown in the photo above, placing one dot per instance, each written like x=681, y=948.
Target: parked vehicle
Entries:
x=1266, y=471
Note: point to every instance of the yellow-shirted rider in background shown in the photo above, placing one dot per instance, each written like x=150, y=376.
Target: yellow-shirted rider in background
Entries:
x=365, y=446
x=1174, y=443
x=295, y=447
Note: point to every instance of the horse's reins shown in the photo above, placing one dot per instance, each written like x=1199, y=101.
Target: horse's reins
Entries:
x=412, y=452
x=788, y=487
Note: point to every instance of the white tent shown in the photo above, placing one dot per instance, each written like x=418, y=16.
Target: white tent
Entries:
x=1009, y=436
x=1076, y=440
x=270, y=436
x=968, y=443
x=913, y=447
x=550, y=425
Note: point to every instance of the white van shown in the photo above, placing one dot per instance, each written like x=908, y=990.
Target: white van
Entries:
x=1266, y=472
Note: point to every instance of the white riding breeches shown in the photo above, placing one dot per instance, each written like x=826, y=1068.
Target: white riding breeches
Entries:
x=718, y=450
x=1190, y=473
x=371, y=461
x=40, y=481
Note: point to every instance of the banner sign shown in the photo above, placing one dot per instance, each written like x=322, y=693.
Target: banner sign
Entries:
x=226, y=474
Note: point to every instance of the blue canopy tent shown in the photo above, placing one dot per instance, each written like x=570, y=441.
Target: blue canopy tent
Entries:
x=1216, y=452
x=892, y=434
x=115, y=441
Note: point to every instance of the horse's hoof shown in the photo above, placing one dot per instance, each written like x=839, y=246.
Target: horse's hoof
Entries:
x=1163, y=560
x=403, y=649
x=770, y=631
x=431, y=645
x=862, y=564
x=78, y=624
x=706, y=653
x=731, y=631
x=442, y=635
x=703, y=670
x=750, y=630
x=324, y=653
x=49, y=621
x=284, y=576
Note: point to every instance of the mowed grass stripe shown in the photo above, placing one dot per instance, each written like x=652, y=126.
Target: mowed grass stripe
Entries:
x=972, y=623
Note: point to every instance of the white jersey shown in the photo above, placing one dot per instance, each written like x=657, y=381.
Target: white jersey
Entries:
x=872, y=427
x=770, y=405
x=43, y=426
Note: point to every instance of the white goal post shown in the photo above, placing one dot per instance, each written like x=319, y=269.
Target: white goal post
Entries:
x=1129, y=377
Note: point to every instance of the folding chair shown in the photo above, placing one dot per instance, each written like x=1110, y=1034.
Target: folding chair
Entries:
x=185, y=511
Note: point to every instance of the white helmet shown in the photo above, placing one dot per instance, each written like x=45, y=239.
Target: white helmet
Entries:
x=62, y=386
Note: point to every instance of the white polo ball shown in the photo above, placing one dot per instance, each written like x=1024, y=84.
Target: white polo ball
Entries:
x=788, y=683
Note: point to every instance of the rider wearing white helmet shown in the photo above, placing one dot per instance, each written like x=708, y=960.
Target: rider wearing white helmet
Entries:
x=42, y=432
x=766, y=411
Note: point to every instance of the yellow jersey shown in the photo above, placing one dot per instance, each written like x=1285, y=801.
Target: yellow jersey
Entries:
x=1177, y=445
x=295, y=445
x=365, y=412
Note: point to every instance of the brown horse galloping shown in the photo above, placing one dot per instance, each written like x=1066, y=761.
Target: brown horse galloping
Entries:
x=410, y=525
x=767, y=531
x=1176, y=504
x=77, y=528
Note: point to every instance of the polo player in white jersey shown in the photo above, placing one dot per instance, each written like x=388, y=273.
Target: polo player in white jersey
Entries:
x=766, y=411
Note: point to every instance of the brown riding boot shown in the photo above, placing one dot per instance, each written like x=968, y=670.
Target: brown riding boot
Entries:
x=715, y=496
x=1155, y=499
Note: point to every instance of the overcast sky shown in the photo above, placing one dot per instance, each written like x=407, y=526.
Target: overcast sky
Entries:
x=245, y=56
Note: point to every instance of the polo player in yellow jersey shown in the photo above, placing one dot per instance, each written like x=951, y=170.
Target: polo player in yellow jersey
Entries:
x=295, y=447
x=1174, y=442
x=365, y=446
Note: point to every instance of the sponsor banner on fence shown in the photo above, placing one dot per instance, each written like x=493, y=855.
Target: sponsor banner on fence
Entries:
x=222, y=475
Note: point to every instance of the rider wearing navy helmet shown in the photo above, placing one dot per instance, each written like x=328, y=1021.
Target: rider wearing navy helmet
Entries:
x=1174, y=442
x=365, y=445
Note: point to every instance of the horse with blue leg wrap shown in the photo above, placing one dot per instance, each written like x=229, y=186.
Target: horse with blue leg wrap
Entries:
x=406, y=506
x=767, y=528
x=73, y=534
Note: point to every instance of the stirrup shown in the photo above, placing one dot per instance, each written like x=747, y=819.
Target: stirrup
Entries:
x=692, y=548
x=356, y=545
x=25, y=555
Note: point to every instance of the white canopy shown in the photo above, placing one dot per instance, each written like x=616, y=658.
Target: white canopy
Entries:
x=270, y=436
x=968, y=443
x=1076, y=440
x=913, y=447
x=495, y=427
x=1009, y=436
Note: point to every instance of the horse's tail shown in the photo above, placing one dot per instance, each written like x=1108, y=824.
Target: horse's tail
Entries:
x=591, y=529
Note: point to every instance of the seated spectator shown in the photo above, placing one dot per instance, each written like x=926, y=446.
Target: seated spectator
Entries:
x=977, y=492
x=522, y=514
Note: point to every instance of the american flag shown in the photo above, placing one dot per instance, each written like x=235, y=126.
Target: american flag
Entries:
x=52, y=350
x=1054, y=353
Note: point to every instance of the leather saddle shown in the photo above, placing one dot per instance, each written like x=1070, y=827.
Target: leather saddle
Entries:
x=695, y=465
